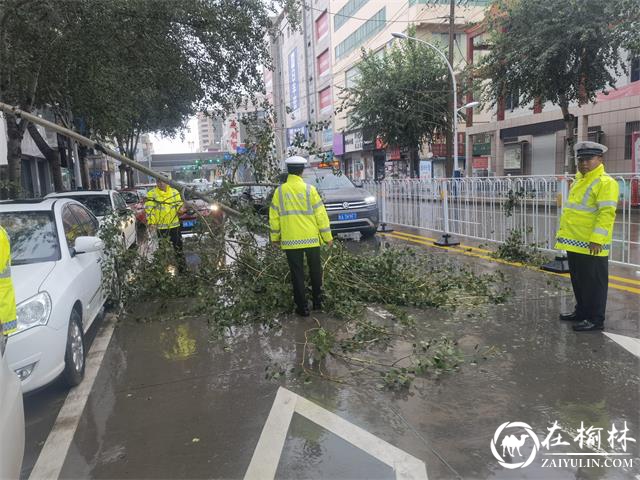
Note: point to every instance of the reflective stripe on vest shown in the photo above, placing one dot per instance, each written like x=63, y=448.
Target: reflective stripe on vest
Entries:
x=577, y=243
x=9, y=327
x=582, y=206
x=6, y=273
x=306, y=241
x=284, y=212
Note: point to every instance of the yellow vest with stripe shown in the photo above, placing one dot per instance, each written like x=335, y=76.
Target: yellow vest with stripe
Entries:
x=297, y=217
x=162, y=208
x=7, y=295
x=589, y=213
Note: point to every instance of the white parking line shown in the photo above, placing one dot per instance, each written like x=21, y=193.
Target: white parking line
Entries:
x=266, y=456
x=54, y=452
x=628, y=343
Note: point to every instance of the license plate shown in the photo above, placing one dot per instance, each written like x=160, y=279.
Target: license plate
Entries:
x=347, y=216
x=188, y=223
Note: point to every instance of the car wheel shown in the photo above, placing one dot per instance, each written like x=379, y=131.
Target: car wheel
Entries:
x=74, y=355
x=368, y=233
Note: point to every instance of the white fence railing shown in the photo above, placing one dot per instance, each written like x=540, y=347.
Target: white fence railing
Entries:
x=488, y=208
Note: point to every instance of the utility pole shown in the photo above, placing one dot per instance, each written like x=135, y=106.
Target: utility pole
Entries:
x=452, y=107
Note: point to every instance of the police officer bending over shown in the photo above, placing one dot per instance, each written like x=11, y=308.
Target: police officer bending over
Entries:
x=299, y=225
x=586, y=230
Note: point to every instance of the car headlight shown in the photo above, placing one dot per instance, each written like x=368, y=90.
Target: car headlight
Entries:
x=214, y=207
x=33, y=311
x=370, y=200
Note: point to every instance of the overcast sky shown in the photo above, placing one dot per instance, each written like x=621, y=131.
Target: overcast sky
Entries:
x=177, y=145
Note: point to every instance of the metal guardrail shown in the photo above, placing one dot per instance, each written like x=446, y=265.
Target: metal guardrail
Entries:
x=488, y=208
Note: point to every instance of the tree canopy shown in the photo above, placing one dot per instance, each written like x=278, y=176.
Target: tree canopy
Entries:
x=401, y=95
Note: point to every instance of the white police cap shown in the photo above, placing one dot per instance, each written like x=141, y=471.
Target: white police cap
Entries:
x=296, y=160
x=589, y=149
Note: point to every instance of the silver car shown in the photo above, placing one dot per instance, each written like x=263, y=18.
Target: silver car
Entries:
x=11, y=419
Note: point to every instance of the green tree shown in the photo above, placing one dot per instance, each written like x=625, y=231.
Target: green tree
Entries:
x=558, y=51
x=402, y=96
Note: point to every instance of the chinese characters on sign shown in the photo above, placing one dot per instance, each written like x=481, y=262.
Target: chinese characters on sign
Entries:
x=294, y=95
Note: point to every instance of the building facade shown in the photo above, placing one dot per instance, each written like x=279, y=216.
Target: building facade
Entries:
x=515, y=139
x=209, y=133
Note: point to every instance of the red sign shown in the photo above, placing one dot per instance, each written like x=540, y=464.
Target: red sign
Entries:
x=325, y=98
x=324, y=62
x=380, y=145
x=480, y=163
x=322, y=25
x=394, y=153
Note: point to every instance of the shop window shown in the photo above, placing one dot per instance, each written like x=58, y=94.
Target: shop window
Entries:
x=629, y=129
x=325, y=99
x=322, y=25
x=635, y=69
x=324, y=62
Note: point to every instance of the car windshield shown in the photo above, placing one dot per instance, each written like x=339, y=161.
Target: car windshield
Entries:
x=32, y=236
x=100, y=205
x=326, y=180
x=130, y=197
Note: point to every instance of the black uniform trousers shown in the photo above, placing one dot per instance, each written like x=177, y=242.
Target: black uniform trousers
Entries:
x=175, y=237
x=295, y=258
x=590, y=281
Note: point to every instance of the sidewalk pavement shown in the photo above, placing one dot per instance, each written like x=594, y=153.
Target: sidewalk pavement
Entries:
x=172, y=402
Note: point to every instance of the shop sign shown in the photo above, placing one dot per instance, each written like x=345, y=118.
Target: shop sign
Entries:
x=513, y=156
x=294, y=93
x=393, y=153
x=353, y=141
x=368, y=140
x=327, y=137
x=480, y=163
x=338, y=144
x=295, y=131
x=425, y=168
x=481, y=145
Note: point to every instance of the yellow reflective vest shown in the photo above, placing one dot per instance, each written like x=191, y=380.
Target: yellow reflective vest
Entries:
x=163, y=208
x=7, y=295
x=589, y=213
x=297, y=217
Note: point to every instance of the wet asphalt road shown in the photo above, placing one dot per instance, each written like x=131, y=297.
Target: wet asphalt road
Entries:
x=171, y=403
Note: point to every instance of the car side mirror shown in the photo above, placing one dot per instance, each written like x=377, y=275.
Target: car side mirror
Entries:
x=87, y=245
x=358, y=184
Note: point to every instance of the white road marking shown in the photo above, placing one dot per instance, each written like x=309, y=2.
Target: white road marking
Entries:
x=629, y=343
x=381, y=312
x=266, y=456
x=54, y=452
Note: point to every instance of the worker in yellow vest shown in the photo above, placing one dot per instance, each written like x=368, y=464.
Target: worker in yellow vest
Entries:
x=8, y=322
x=163, y=207
x=586, y=230
x=299, y=224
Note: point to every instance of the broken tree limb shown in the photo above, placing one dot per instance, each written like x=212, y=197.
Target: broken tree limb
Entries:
x=109, y=152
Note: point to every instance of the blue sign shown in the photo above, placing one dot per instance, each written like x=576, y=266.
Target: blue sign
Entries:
x=294, y=93
x=240, y=149
x=296, y=131
x=227, y=156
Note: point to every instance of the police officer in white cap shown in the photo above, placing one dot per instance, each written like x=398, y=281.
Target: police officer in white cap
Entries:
x=299, y=224
x=586, y=230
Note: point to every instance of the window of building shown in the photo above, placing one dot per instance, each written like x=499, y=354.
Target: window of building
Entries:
x=323, y=62
x=351, y=77
x=325, y=99
x=512, y=101
x=365, y=31
x=322, y=25
x=351, y=7
x=630, y=127
x=635, y=69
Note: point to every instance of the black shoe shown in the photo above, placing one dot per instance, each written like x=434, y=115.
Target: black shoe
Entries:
x=570, y=317
x=302, y=312
x=588, y=326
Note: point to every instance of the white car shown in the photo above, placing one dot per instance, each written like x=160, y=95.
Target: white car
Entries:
x=11, y=419
x=57, y=276
x=102, y=203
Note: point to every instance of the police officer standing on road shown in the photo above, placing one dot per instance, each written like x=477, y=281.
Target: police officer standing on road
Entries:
x=163, y=207
x=8, y=320
x=299, y=224
x=586, y=230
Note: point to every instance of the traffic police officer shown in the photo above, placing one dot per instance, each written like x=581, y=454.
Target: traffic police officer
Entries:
x=299, y=224
x=163, y=207
x=586, y=230
x=8, y=322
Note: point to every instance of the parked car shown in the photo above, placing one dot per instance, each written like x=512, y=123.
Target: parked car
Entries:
x=57, y=276
x=257, y=196
x=196, y=209
x=350, y=208
x=102, y=203
x=11, y=419
x=135, y=201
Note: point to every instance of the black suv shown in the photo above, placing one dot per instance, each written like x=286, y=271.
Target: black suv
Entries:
x=350, y=208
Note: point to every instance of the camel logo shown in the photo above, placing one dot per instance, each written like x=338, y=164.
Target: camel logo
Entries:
x=511, y=445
